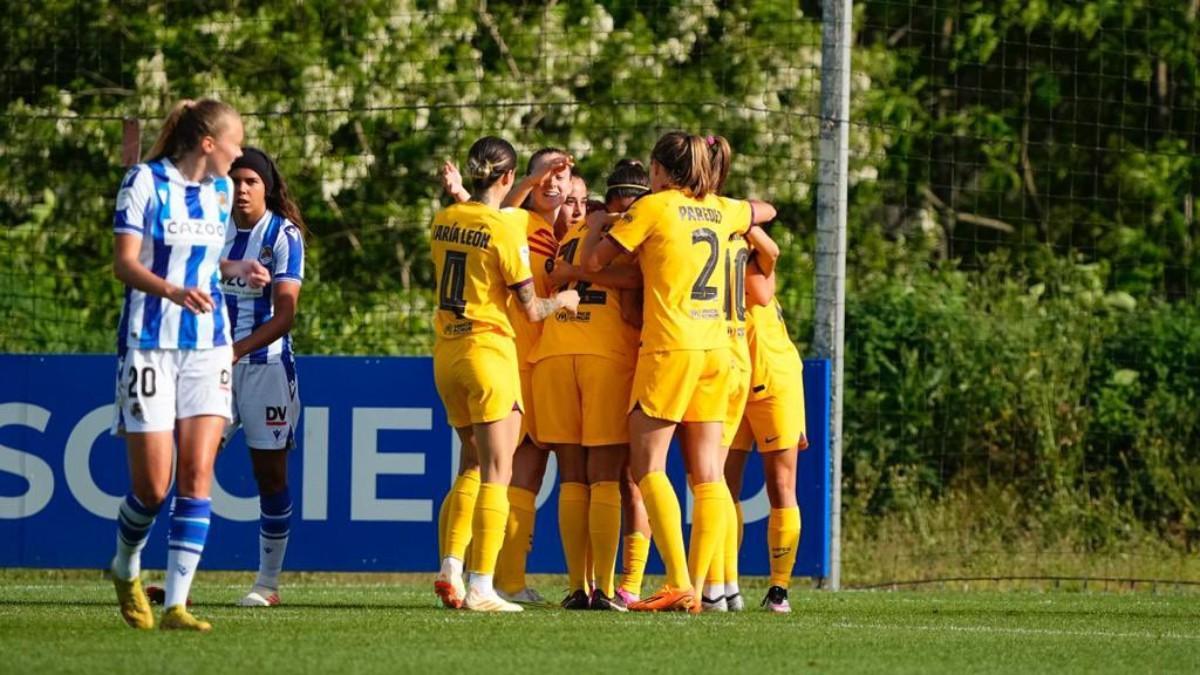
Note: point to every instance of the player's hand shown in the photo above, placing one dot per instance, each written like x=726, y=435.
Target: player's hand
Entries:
x=563, y=273
x=252, y=271
x=544, y=174
x=601, y=219
x=451, y=178
x=569, y=300
x=193, y=299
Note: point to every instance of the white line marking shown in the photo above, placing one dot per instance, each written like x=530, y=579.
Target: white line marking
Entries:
x=1050, y=632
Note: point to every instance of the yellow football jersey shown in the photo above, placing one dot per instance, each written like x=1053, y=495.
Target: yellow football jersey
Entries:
x=542, y=249
x=597, y=328
x=737, y=255
x=680, y=242
x=479, y=253
x=774, y=358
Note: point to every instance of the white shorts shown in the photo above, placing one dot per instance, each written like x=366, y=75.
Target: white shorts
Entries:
x=266, y=404
x=155, y=387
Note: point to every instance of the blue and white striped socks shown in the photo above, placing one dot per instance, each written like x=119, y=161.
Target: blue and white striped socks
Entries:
x=274, y=526
x=134, y=521
x=189, y=529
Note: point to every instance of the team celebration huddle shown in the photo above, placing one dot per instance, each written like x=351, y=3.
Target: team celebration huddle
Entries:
x=599, y=330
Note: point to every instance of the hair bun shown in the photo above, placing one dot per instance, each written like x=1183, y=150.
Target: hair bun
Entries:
x=479, y=171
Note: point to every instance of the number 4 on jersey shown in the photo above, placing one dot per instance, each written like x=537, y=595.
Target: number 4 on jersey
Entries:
x=587, y=296
x=452, y=288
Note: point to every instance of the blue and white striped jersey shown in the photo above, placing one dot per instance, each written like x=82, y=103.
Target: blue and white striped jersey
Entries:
x=277, y=244
x=182, y=227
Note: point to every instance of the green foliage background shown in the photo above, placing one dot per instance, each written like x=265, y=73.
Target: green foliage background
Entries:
x=1022, y=327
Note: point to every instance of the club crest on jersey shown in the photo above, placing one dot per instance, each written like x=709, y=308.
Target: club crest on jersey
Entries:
x=223, y=201
x=266, y=256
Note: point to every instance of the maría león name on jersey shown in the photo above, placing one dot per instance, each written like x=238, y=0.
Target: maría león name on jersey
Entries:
x=454, y=234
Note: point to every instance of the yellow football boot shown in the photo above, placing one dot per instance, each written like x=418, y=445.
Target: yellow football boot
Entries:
x=178, y=618
x=135, y=606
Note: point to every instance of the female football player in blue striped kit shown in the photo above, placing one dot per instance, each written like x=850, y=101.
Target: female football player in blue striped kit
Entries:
x=173, y=344
x=266, y=404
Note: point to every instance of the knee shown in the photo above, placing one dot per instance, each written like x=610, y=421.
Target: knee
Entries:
x=151, y=496
x=193, y=479
x=272, y=484
x=781, y=490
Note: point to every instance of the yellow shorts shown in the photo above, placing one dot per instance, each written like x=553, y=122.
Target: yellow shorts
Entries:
x=477, y=378
x=774, y=423
x=739, y=392
x=581, y=400
x=528, y=420
x=682, y=386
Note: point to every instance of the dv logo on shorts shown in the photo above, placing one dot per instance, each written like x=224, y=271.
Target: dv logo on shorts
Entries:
x=276, y=415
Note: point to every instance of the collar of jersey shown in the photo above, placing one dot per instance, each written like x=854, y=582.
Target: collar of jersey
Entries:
x=266, y=218
x=175, y=176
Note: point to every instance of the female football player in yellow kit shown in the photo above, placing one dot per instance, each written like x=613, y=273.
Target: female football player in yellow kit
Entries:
x=744, y=282
x=540, y=195
x=581, y=379
x=481, y=269
x=774, y=423
x=683, y=364
x=627, y=183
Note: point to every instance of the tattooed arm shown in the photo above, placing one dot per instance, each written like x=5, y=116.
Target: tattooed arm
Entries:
x=537, y=309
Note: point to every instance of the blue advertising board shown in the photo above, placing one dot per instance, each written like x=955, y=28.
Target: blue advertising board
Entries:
x=374, y=459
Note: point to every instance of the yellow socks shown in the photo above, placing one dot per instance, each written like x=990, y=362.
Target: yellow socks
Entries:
x=733, y=538
x=708, y=527
x=604, y=527
x=518, y=540
x=459, y=510
x=783, y=538
x=666, y=522
x=491, y=516
x=633, y=561
x=573, y=529
x=741, y=521
x=724, y=568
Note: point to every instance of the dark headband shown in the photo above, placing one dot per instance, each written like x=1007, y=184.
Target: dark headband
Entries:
x=257, y=161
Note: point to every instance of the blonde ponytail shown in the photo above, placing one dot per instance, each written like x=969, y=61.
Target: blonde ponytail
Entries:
x=187, y=124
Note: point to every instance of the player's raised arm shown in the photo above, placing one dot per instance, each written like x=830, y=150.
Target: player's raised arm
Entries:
x=541, y=174
x=452, y=182
x=765, y=251
x=760, y=287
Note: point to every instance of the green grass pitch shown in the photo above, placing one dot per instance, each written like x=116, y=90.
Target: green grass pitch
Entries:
x=67, y=622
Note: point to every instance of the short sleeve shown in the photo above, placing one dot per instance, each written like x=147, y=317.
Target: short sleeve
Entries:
x=289, y=254
x=634, y=226
x=739, y=213
x=512, y=250
x=134, y=201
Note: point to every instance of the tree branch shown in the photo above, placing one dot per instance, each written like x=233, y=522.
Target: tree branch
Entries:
x=972, y=218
